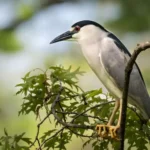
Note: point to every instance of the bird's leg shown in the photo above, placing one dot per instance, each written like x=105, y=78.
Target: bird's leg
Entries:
x=113, y=129
x=104, y=129
x=111, y=120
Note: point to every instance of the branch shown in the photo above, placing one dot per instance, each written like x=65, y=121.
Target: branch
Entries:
x=51, y=137
x=91, y=108
x=71, y=123
x=128, y=69
x=60, y=120
x=38, y=129
x=85, y=115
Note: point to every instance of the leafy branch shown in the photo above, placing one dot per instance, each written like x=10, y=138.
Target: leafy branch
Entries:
x=60, y=87
x=55, y=98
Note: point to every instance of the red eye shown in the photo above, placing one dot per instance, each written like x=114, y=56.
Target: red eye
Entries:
x=77, y=28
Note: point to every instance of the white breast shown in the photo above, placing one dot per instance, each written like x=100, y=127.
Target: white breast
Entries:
x=91, y=53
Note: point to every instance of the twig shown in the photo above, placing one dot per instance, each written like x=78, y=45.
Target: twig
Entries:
x=89, y=136
x=71, y=123
x=51, y=137
x=91, y=108
x=39, y=144
x=59, y=119
x=128, y=69
x=62, y=111
x=38, y=129
x=85, y=115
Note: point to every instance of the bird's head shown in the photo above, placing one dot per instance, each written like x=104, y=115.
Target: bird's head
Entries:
x=85, y=29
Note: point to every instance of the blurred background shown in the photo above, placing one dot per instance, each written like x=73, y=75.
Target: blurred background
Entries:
x=28, y=26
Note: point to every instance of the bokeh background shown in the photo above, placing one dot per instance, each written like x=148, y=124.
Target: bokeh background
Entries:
x=28, y=26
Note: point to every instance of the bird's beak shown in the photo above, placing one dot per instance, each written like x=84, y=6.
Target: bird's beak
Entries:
x=62, y=37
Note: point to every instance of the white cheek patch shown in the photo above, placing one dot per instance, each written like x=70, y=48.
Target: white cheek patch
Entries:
x=75, y=36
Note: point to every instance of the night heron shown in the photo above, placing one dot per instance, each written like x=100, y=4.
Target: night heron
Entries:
x=107, y=57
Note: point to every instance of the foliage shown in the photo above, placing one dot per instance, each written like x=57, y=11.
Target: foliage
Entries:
x=15, y=142
x=72, y=111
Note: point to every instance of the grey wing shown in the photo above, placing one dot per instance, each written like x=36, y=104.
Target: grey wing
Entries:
x=114, y=60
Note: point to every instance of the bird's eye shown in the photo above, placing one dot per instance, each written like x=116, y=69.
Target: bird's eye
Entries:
x=77, y=28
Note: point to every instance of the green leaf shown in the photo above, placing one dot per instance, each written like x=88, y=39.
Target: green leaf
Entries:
x=86, y=143
x=17, y=138
x=26, y=140
x=47, y=134
x=51, y=143
x=5, y=131
x=94, y=93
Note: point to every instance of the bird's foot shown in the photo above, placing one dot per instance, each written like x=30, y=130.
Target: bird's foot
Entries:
x=114, y=131
x=102, y=130
x=106, y=131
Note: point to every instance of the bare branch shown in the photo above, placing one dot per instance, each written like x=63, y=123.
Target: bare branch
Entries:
x=128, y=69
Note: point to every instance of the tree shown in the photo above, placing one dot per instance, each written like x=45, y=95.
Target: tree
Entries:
x=73, y=112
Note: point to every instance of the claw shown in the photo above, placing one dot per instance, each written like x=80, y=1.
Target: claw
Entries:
x=113, y=131
x=102, y=130
x=106, y=131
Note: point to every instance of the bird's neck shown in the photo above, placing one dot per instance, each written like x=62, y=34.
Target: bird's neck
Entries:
x=88, y=37
x=91, y=41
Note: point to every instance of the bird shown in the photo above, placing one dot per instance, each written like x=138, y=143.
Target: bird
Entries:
x=107, y=57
